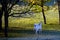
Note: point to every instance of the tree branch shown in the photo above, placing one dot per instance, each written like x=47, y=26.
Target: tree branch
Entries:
x=13, y=4
x=23, y=12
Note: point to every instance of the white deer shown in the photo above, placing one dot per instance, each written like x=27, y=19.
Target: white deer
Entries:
x=38, y=27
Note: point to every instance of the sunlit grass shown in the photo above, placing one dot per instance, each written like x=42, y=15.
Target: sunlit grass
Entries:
x=51, y=27
x=52, y=18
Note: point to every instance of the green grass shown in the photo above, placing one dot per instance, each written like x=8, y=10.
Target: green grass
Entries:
x=51, y=27
x=52, y=18
x=44, y=27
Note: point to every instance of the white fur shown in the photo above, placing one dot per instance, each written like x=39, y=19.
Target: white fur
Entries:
x=38, y=27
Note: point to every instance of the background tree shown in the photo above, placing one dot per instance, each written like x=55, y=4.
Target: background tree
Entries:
x=58, y=1
x=40, y=3
x=34, y=2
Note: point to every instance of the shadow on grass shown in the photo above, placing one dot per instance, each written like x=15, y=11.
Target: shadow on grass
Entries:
x=44, y=32
x=17, y=32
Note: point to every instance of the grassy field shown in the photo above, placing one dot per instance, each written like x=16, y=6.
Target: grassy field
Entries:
x=52, y=18
x=22, y=27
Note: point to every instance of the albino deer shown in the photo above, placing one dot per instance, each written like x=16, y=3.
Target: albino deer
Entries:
x=38, y=27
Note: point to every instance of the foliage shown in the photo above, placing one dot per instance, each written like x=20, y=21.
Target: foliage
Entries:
x=36, y=1
x=36, y=9
x=31, y=3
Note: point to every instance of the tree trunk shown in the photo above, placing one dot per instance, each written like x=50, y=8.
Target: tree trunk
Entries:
x=59, y=17
x=1, y=13
x=43, y=11
x=59, y=9
x=44, y=16
x=5, y=17
x=6, y=23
